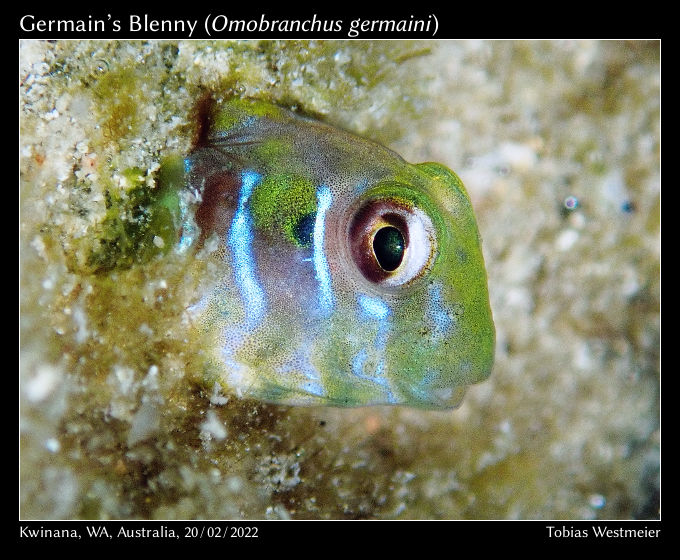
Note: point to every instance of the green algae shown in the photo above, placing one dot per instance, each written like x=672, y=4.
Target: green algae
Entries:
x=119, y=93
x=140, y=223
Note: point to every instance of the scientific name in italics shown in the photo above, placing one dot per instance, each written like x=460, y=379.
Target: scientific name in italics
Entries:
x=601, y=532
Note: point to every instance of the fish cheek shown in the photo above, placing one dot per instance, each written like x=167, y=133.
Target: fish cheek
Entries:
x=287, y=275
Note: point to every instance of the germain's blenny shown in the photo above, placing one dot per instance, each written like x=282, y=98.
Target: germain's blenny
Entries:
x=340, y=274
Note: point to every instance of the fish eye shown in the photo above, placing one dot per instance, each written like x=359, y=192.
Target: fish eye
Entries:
x=392, y=242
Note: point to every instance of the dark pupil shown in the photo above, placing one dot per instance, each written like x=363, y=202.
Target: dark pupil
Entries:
x=388, y=246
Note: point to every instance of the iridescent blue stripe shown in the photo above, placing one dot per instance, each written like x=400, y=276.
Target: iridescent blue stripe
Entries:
x=322, y=272
x=189, y=230
x=240, y=239
x=373, y=307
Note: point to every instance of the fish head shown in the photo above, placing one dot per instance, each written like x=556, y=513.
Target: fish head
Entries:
x=345, y=275
x=407, y=265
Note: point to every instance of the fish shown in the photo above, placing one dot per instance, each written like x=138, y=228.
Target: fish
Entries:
x=339, y=274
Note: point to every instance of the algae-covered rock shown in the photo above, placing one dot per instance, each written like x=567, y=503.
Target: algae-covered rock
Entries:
x=558, y=145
